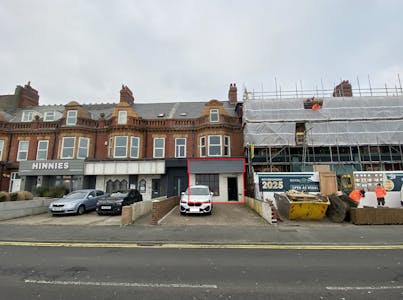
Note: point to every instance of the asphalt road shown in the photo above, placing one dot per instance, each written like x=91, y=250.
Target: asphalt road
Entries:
x=156, y=273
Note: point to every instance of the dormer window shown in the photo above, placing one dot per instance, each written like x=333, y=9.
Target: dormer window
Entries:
x=122, y=117
x=27, y=116
x=214, y=116
x=49, y=116
x=71, y=117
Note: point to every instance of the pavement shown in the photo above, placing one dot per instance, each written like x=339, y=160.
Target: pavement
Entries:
x=283, y=233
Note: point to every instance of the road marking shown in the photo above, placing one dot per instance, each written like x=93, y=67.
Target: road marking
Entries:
x=123, y=284
x=148, y=245
x=359, y=288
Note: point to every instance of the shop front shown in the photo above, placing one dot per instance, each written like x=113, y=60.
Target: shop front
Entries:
x=112, y=176
x=51, y=174
x=224, y=177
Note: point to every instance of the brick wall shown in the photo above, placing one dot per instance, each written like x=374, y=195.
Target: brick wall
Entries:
x=162, y=207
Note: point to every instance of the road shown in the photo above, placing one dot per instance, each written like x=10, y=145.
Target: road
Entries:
x=153, y=272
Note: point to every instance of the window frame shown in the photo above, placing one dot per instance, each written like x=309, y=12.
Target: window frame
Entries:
x=80, y=147
x=211, y=180
x=38, y=150
x=159, y=148
x=131, y=146
x=27, y=116
x=202, y=146
x=214, y=112
x=227, y=145
x=114, y=146
x=19, y=152
x=122, y=117
x=46, y=115
x=178, y=148
x=218, y=146
x=71, y=118
x=63, y=147
x=1, y=149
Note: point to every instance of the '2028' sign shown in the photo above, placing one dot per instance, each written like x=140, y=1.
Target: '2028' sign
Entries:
x=303, y=182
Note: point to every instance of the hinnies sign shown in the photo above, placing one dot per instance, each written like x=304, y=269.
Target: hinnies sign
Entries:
x=51, y=167
x=282, y=182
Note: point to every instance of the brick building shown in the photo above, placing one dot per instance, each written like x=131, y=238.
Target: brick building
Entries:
x=119, y=145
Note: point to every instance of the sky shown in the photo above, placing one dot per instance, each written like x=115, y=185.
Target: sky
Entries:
x=192, y=50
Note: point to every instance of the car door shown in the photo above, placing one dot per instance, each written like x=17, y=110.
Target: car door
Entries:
x=92, y=200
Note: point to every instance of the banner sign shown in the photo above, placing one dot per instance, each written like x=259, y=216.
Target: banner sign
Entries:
x=282, y=182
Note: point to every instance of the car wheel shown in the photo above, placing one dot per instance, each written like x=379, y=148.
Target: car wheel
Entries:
x=81, y=209
x=183, y=213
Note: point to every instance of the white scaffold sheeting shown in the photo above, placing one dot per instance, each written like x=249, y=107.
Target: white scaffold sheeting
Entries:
x=340, y=121
x=270, y=134
x=353, y=108
x=376, y=132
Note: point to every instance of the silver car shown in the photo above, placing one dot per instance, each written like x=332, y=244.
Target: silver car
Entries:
x=77, y=202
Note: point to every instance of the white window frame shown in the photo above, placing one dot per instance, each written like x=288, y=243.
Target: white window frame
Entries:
x=71, y=117
x=180, y=148
x=114, y=146
x=214, y=115
x=39, y=150
x=46, y=117
x=22, y=151
x=63, y=147
x=159, y=148
x=80, y=146
x=227, y=145
x=203, y=146
x=214, y=145
x=134, y=148
x=122, y=117
x=110, y=147
x=1, y=150
x=27, y=116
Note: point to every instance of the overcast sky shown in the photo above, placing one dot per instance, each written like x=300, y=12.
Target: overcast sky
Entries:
x=191, y=50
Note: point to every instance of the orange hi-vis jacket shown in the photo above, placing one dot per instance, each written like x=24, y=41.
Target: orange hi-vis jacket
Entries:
x=355, y=195
x=380, y=192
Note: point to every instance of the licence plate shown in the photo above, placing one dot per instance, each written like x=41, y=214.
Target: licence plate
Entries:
x=106, y=207
x=194, y=209
x=57, y=208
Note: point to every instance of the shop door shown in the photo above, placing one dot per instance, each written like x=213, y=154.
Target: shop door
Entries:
x=15, y=182
x=180, y=185
x=232, y=185
x=155, y=188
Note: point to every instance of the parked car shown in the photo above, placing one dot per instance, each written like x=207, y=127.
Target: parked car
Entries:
x=196, y=199
x=112, y=205
x=77, y=202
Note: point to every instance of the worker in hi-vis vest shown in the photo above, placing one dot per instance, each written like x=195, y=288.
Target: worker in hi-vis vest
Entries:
x=356, y=195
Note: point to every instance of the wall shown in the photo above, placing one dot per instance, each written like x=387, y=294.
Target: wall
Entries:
x=135, y=211
x=261, y=208
x=161, y=207
x=15, y=209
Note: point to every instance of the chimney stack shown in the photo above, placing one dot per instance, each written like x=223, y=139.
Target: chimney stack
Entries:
x=343, y=89
x=126, y=95
x=27, y=96
x=233, y=94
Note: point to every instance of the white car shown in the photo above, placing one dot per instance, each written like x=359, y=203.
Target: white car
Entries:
x=196, y=199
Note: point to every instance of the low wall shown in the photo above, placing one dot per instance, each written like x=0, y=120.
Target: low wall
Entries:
x=376, y=216
x=135, y=211
x=260, y=207
x=15, y=209
x=161, y=207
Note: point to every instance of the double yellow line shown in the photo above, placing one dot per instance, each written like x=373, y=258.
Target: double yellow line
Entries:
x=202, y=246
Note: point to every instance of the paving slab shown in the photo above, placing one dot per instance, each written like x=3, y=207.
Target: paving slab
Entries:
x=222, y=214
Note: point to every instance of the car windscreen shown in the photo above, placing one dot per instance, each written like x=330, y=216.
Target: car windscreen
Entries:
x=199, y=191
x=76, y=195
x=119, y=194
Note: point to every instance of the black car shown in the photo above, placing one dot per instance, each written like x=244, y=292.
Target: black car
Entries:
x=113, y=204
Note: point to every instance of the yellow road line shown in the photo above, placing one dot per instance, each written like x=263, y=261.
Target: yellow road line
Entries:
x=201, y=246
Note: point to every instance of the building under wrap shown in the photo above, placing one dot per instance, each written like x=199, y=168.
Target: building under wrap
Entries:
x=348, y=133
